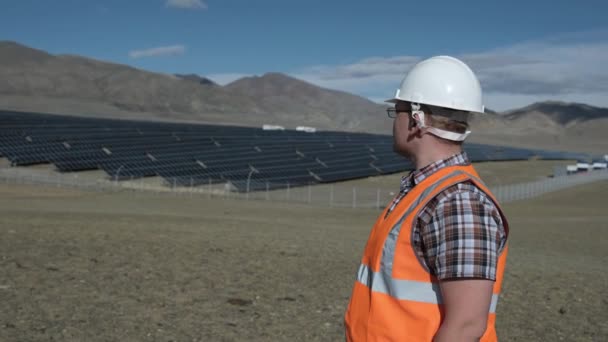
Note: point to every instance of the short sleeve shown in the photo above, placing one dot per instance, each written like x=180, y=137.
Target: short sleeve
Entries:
x=464, y=236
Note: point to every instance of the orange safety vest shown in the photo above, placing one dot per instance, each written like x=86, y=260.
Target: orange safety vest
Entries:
x=395, y=298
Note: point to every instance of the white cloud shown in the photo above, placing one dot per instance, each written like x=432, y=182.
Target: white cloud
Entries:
x=543, y=69
x=568, y=68
x=187, y=4
x=161, y=51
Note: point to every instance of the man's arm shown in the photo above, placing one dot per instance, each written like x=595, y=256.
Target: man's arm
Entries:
x=463, y=239
x=466, y=303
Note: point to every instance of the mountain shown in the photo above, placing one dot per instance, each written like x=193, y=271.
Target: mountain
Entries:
x=546, y=125
x=198, y=79
x=17, y=54
x=310, y=104
x=34, y=80
x=559, y=112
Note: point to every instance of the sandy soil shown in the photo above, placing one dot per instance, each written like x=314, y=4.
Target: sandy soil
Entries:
x=81, y=266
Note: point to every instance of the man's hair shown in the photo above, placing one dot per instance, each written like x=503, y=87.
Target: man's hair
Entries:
x=447, y=119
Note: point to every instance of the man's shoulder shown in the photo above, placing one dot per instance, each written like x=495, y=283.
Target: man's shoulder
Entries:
x=464, y=193
x=466, y=190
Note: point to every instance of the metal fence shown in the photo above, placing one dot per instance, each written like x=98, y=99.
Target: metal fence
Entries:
x=331, y=195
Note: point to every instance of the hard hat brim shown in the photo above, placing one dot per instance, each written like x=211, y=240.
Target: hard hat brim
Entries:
x=473, y=111
x=394, y=100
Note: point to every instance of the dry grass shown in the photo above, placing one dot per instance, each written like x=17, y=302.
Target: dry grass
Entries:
x=493, y=173
x=78, y=266
x=556, y=285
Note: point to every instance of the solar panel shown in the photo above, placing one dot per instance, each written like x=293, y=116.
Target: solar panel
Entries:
x=197, y=154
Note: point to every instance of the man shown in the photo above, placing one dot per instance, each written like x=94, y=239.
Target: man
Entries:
x=434, y=262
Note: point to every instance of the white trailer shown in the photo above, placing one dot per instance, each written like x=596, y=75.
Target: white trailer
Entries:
x=306, y=129
x=570, y=169
x=582, y=165
x=599, y=165
x=267, y=127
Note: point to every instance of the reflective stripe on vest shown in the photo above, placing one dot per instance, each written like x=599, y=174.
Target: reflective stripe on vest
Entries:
x=406, y=289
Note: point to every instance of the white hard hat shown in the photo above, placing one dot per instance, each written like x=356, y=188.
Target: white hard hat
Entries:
x=441, y=81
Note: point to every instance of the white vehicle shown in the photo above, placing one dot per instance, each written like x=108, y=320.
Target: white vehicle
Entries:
x=570, y=169
x=599, y=165
x=306, y=129
x=273, y=127
x=582, y=165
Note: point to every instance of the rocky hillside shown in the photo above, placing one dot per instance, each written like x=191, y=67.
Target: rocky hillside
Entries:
x=34, y=80
x=37, y=81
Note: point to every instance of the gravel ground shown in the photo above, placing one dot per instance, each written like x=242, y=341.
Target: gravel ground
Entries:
x=79, y=266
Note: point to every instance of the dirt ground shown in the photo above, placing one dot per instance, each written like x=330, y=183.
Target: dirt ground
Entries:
x=86, y=266
x=493, y=173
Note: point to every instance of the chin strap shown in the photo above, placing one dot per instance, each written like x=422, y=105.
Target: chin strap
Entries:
x=418, y=116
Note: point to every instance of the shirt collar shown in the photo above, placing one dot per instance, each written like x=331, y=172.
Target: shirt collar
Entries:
x=417, y=176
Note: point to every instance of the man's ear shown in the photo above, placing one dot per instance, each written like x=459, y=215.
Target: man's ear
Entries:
x=412, y=123
x=420, y=131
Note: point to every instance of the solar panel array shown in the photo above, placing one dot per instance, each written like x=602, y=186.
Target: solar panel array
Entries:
x=193, y=154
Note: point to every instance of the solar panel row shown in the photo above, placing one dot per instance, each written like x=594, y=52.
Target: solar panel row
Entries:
x=194, y=154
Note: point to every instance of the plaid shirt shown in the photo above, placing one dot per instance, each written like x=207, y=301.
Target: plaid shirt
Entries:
x=459, y=234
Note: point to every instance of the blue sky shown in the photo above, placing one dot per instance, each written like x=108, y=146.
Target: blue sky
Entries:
x=522, y=51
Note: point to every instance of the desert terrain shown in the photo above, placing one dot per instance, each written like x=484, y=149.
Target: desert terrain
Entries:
x=134, y=266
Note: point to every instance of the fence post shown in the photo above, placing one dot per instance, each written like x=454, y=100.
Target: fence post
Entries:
x=331, y=195
x=288, y=191
x=209, y=190
x=267, y=193
x=377, y=198
x=354, y=197
x=309, y=193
